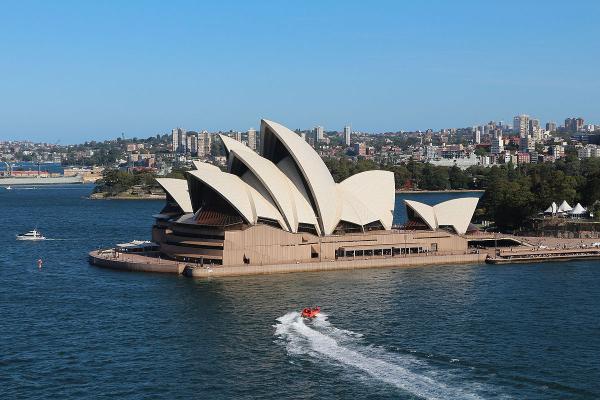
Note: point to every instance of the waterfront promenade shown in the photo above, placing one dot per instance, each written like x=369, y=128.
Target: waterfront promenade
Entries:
x=533, y=249
x=151, y=263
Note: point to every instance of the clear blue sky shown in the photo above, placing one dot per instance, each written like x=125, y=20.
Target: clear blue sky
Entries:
x=81, y=70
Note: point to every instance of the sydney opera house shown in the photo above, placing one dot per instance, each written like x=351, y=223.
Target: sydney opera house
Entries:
x=283, y=206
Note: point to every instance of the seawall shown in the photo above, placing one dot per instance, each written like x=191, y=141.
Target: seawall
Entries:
x=130, y=262
x=199, y=272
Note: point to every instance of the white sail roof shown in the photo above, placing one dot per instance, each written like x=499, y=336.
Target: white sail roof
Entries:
x=375, y=189
x=248, y=202
x=199, y=165
x=291, y=184
x=321, y=186
x=264, y=208
x=353, y=210
x=231, y=188
x=178, y=190
x=456, y=213
x=424, y=211
x=293, y=206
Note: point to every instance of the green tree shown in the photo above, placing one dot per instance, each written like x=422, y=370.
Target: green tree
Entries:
x=458, y=178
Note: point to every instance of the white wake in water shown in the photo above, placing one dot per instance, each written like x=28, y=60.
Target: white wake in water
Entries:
x=320, y=339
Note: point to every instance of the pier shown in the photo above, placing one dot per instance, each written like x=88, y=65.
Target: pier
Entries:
x=539, y=255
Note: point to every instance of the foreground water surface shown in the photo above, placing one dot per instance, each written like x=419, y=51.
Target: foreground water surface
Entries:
x=72, y=331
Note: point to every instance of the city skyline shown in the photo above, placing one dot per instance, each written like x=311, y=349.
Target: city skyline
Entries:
x=91, y=71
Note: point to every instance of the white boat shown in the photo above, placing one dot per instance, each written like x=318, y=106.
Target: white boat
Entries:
x=31, y=235
x=8, y=187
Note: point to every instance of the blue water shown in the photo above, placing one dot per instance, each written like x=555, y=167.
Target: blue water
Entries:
x=33, y=166
x=72, y=331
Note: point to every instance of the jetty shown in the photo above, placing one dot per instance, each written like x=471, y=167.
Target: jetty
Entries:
x=540, y=255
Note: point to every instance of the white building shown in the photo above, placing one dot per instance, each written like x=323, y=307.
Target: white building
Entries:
x=319, y=133
x=192, y=143
x=178, y=141
x=590, y=150
x=521, y=125
x=252, y=138
x=347, y=132
x=477, y=136
x=497, y=144
x=204, y=144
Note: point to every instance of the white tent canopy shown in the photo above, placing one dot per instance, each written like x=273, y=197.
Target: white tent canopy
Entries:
x=552, y=209
x=578, y=210
x=564, y=207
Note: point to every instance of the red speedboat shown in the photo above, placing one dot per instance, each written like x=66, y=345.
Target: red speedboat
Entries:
x=310, y=312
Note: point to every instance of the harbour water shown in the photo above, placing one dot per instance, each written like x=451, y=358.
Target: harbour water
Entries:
x=53, y=168
x=71, y=331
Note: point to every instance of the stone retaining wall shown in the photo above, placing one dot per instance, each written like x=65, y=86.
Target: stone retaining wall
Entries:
x=126, y=265
x=204, y=272
x=136, y=263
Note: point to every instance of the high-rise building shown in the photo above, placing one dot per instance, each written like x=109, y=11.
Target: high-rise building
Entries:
x=497, y=144
x=527, y=144
x=347, y=132
x=178, y=142
x=551, y=126
x=534, y=125
x=319, y=133
x=477, y=136
x=252, y=138
x=174, y=140
x=568, y=124
x=574, y=124
x=535, y=129
x=360, y=149
x=204, y=143
x=521, y=125
x=192, y=143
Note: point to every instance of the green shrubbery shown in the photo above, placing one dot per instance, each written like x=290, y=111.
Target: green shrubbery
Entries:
x=115, y=181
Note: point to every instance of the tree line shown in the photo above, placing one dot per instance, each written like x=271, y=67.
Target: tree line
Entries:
x=513, y=193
